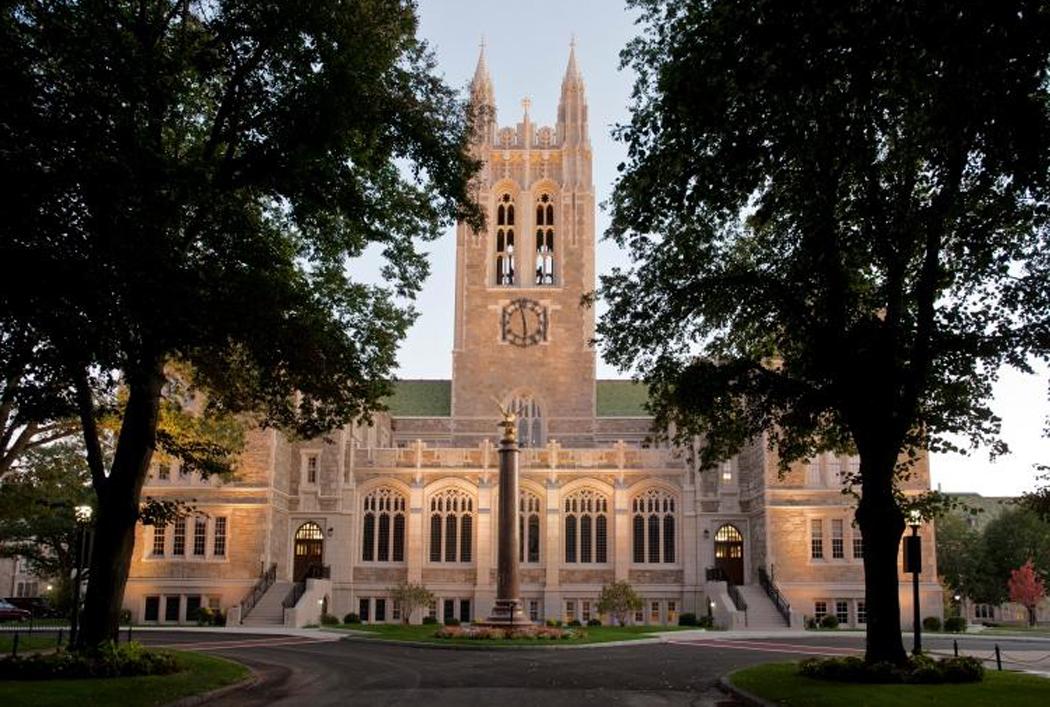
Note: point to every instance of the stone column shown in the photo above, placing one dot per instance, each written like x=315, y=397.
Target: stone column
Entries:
x=508, y=611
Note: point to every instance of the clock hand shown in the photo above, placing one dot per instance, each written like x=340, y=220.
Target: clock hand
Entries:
x=524, y=326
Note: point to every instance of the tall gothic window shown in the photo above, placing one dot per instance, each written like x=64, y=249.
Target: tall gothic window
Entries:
x=530, y=421
x=653, y=527
x=451, y=526
x=528, y=527
x=505, y=241
x=383, y=534
x=544, y=241
x=586, y=527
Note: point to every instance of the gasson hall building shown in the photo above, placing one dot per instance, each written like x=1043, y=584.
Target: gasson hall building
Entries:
x=334, y=523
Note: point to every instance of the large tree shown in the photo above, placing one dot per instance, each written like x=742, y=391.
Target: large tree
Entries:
x=833, y=210
x=192, y=181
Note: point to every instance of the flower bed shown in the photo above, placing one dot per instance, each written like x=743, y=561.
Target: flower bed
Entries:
x=920, y=669
x=108, y=661
x=493, y=633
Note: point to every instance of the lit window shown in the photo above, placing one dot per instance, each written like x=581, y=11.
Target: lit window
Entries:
x=672, y=613
x=570, y=611
x=654, y=612
x=586, y=511
x=653, y=527
x=727, y=471
x=816, y=539
x=164, y=471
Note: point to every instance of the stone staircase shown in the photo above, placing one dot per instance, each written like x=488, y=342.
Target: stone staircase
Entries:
x=762, y=614
x=269, y=612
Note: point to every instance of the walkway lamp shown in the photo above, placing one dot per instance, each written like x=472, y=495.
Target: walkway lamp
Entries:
x=82, y=514
x=913, y=564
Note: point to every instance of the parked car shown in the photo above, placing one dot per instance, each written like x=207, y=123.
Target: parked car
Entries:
x=39, y=607
x=10, y=612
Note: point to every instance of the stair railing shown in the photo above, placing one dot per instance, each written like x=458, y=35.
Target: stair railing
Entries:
x=299, y=588
x=738, y=599
x=778, y=599
x=265, y=581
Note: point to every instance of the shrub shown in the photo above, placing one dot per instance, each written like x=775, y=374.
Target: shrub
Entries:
x=829, y=621
x=204, y=617
x=594, y=622
x=955, y=624
x=554, y=623
x=919, y=670
x=351, y=618
x=575, y=623
x=452, y=621
x=430, y=620
x=329, y=620
x=108, y=661
x=688, y=619
x=931, y=623
x=811, y=623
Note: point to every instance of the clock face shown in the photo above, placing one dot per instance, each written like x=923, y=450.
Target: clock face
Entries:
x=524, y=322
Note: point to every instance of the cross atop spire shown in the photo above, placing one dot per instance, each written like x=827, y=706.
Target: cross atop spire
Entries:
x=572, y=72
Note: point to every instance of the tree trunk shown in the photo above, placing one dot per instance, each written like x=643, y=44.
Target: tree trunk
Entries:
x=118, y=508
x=882, y=524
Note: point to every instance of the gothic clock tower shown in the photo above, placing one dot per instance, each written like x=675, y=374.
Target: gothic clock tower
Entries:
x=521, y=336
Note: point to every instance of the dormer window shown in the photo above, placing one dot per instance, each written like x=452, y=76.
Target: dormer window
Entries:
x=544, y=240
x=505, y=241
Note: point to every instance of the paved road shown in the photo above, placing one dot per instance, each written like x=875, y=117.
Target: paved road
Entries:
x=305, y=671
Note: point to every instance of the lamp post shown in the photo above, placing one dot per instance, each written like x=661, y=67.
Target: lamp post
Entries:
x=83, y=518
x=913, y=564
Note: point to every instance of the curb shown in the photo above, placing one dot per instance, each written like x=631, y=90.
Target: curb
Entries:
x=194, y=700
x=749, y=698
x=483, y=645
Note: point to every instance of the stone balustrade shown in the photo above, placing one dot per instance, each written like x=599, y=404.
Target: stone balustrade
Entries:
x=419, y=455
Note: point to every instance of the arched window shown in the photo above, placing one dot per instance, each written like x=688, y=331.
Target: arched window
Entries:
x=544, y=240
x=451, y=526
x=505, y=241
x=586, y=510
x=530, y=421
x=653, y=527
x=383, y=535
x=528, y=527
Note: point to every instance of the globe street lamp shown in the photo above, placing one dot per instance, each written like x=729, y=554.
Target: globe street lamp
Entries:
x=82, y=514
x=913, y=564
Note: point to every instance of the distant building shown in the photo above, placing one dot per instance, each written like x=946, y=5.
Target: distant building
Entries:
x=413, y=497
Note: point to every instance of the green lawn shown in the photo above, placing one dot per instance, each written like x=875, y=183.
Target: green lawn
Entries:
x=425, y=634
x=200, y=673
x=779, y=683
x=28, y=641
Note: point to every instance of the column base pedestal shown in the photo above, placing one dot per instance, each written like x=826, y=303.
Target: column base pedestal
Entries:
x=506, y=612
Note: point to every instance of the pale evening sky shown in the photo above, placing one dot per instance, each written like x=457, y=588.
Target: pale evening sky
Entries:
x=527, y=47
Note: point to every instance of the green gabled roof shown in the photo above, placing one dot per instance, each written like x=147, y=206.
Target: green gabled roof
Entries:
x=421, y=398
x=433, y=398
x=621, y=398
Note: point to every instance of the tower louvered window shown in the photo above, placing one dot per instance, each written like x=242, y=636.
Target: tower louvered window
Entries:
x=544, y=240
x=505, y=241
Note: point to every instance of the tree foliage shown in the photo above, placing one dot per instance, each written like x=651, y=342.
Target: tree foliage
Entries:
x=837, y=215
x=193, y=182
x=617, y=600
x=1027, y=589
x=409, y=597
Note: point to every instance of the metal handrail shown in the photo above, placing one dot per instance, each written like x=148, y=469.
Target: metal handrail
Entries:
x=716, y=574
x=299, y=588
x=774, y=594
x=265, y=581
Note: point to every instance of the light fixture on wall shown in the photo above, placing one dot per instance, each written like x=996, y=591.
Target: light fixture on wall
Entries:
x=331, y=532
x=707, y=533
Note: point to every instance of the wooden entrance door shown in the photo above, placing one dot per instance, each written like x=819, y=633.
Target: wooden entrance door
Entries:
x=309, y=550
x=729, y=553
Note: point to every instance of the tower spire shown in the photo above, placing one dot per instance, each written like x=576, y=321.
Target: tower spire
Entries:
x=572, y=107
x=483, y=98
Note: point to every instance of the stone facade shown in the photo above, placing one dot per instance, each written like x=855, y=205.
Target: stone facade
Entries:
x=413, y=496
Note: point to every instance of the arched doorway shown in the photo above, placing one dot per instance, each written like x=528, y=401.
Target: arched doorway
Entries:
x=309, y=550
x=729, y=553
